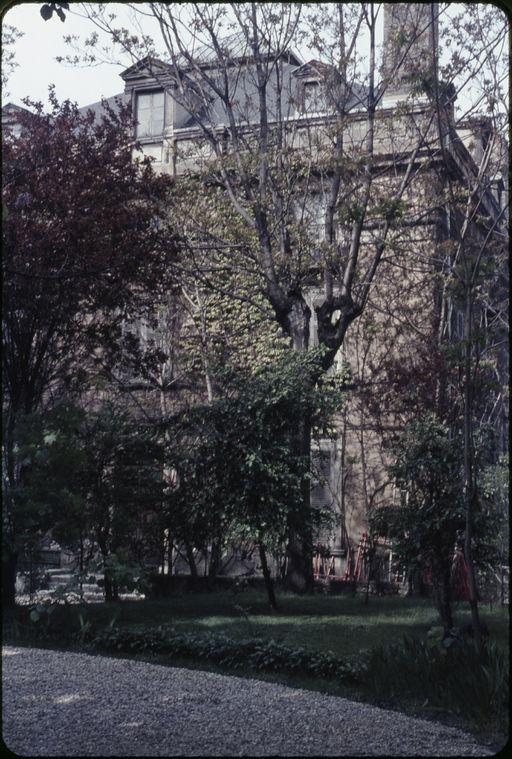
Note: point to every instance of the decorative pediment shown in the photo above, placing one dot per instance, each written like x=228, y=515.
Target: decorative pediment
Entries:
x=148, y=67
x=313, y=70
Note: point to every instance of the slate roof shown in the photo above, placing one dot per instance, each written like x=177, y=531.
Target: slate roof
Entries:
x=113, y=102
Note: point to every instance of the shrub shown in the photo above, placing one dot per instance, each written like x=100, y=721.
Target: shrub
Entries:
x=448, y=674
x=252, y=653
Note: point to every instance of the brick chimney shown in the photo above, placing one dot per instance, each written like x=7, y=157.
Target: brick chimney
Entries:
x=410, y=45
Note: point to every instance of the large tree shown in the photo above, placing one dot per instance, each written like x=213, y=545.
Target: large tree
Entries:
x=312, y=208
x=87, y=246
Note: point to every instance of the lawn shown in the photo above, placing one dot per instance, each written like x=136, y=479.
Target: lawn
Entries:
x=341, y=624
x=344, y=626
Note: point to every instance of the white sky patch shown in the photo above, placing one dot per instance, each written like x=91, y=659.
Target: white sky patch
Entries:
x=36, y=52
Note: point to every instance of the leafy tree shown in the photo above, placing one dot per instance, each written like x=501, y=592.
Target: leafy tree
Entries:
x=86, y=246
x=47, y=499
x=89, y=480
x=305, y=203
x=238, y=475
x=428, y=524
x=122, y=486
x=475, y=265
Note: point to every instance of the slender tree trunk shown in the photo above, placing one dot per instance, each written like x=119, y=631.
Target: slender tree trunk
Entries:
x=9, y=561
x=299, y=566
x=441, y=574
x=109, y=590
x=215, y=555
x=469, y=490
x=169, y=554
x=9, y=479
x=192, y=563
x=446, y=599
x=269, y=584
x=371, y=571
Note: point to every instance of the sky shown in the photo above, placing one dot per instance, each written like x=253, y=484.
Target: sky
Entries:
x=43, y=41
x=36, y=52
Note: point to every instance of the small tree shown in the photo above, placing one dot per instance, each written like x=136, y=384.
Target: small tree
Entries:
x=122, y=484
x=429, y=522
x=240, y=474
x=47, y=499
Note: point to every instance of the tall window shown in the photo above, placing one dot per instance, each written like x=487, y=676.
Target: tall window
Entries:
x=313, y=98
x=150, y=114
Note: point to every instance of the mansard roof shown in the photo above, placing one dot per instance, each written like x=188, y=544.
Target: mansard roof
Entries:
x=235, y=47
x=113, y=101
x=12, y=108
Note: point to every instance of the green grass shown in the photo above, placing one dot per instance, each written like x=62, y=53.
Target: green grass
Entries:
x=343, y=625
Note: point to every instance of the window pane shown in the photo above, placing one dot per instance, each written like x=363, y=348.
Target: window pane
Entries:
x=143, y=128
x=158, y=99
x=150, y=114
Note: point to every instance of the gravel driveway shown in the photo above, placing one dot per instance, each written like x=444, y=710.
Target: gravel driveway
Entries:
x=68, y=704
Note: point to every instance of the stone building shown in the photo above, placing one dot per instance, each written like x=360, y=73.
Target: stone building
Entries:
x=418, y=153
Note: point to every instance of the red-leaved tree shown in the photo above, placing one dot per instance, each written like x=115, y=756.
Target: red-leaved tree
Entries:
x=87, y=245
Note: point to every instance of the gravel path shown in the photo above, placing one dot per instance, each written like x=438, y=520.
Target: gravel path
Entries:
x=68, y=704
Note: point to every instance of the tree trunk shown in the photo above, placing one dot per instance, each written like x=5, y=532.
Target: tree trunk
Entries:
x=469, y=489
x=442, y=594
x=299, y=551
x=109, y=590
x=269, y=584
x=169, y=554
x=9, y=480
x=213, y=566
x=9, y=561
x=192, y=563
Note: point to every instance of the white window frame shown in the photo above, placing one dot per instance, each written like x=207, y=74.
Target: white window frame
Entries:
x=155, y=123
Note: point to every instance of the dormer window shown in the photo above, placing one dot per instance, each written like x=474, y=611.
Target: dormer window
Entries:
x=313, y=97
x=150, y=114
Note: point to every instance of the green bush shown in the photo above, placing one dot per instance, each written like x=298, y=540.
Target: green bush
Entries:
x=448, y=674
x=251, y=653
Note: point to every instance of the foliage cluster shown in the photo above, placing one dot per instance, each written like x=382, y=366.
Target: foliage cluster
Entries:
x=427, y=521
x=103, y=478
x=454, y=677
x=251, y=426
x=250, y=653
